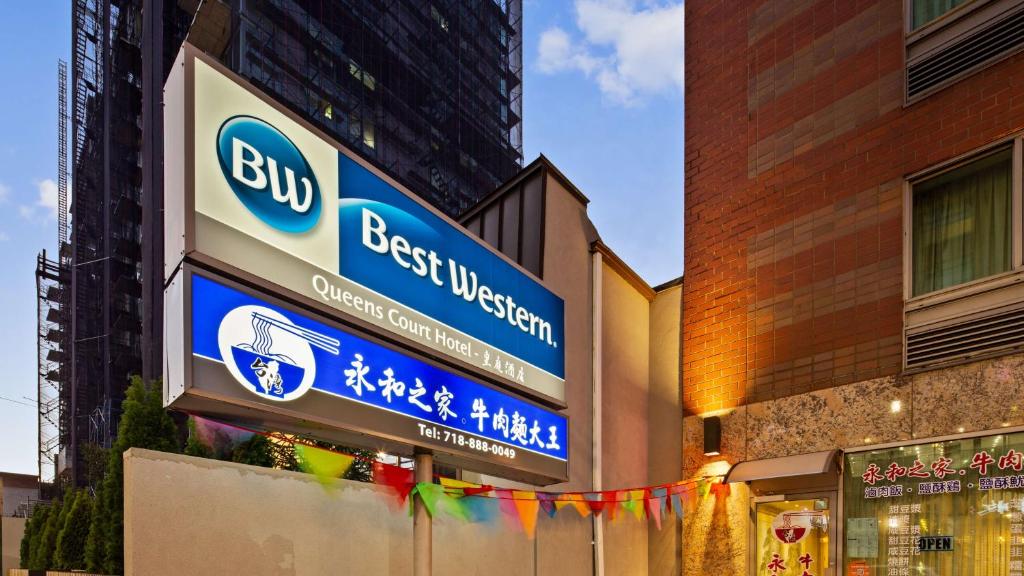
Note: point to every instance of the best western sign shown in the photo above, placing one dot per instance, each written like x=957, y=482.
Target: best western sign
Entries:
x=467, y=345
x=251, y=188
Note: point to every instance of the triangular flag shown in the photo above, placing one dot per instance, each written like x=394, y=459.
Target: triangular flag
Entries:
x=660, y=495
x=677, y=505
x=507, y=506
x=456, y=486
x=220, y=438
x=594, y=502
x=453, y=506
x=480, y=509
x=430, y=494
x=325, y=464
x=703, y=488
x=547, y=503
x=611, y=504
x=637, y=497
x=721, y=489
x=654, y=509
x=398, y=479
x=527, y=505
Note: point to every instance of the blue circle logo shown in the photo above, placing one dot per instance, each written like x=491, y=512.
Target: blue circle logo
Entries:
x=268, y=174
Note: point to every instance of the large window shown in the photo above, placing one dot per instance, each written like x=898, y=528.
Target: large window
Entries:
x=924, y=11
x=962, y=224
x=954, y=507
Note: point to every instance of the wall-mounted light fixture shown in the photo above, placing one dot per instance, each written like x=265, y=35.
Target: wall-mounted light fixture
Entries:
x=712, y=436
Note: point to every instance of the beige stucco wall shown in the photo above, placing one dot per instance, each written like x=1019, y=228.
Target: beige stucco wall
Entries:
x=187, y=515
x=11, y=531
x=568, y=271
x=977, y=397
x=625, y=377
x=665, y=422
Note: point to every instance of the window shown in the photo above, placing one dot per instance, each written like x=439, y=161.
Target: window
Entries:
x=962, y=226
x=964, y=259
x=963, y=496
x=369, y=134
x=924, y=11
x=948, y=40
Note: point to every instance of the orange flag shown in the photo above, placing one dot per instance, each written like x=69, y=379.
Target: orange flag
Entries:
x=527, y=506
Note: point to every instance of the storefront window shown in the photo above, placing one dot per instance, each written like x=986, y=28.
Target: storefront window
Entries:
x=953, y=507
x=792, y=537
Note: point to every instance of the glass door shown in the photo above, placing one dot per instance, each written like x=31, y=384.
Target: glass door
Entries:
x=794, y=535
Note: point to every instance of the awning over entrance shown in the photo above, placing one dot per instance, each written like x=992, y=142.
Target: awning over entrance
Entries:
x=813, y=464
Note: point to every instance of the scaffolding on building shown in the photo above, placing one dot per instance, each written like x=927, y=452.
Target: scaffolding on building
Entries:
x=52, y=321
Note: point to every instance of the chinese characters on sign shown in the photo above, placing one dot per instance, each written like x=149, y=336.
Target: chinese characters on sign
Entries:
x=982, y=462
x=950, y=499
x=255, y=339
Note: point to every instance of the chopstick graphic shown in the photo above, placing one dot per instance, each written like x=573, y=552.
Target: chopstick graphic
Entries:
x=315, y=338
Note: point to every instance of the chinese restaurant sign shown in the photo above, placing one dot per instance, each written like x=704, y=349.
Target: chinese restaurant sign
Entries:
x=963, y=498
x=248, y=349
x=266, y=195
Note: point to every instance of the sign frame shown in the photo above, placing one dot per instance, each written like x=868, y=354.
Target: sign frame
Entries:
x=233, y=403
x=181, y=231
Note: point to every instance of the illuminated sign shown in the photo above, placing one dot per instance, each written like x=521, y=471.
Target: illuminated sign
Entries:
x=251, y=188
x=396, y=247
x=248, y=350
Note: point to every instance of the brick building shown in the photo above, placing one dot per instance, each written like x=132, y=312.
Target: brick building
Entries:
x=853, y=278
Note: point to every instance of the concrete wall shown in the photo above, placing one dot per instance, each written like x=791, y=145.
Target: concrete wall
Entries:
x=665, y=423
x=187, y=515
x=11, y=531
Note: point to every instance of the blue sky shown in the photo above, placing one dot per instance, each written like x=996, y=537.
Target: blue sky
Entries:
x=602, y=99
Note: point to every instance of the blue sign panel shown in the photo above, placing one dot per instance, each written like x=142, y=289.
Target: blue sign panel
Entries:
x=394, y=246
x=280, y=355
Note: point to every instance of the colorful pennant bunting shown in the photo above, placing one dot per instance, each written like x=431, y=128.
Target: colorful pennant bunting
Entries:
x=479, y=502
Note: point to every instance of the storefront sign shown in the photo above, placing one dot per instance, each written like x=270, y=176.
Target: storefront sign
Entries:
x=946, y=497
x=249, y=350
x=257, y=191
x=935, y=544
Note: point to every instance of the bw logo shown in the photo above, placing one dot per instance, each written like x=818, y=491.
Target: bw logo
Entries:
x=268, y=174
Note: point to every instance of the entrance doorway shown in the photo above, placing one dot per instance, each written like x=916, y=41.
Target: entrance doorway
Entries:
x=794, y=534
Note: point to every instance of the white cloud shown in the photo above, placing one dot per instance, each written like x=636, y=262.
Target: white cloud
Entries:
x=5, y=192
x=47, y=196
x=629, y=50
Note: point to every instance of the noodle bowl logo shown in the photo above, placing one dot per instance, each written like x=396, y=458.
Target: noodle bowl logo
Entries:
x=268, y=354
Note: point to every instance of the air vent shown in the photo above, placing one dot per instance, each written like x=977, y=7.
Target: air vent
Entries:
x=995, y=40
x=996, y=333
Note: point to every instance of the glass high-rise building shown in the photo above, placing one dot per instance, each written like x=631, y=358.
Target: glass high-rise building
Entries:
x=430, y=92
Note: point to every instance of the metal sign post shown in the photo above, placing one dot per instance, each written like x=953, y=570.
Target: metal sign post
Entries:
x=422, y=538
